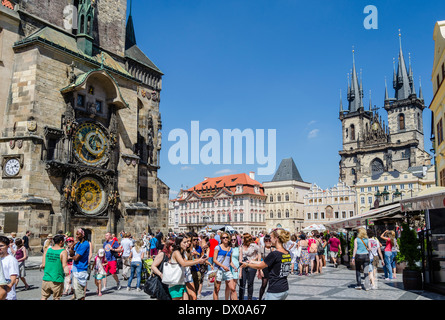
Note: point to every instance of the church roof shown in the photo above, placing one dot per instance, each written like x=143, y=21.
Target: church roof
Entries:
x=135, y=53
x=68, y=43
x=287, y=171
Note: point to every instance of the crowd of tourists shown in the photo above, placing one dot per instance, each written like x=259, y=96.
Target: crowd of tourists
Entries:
x=182, y=263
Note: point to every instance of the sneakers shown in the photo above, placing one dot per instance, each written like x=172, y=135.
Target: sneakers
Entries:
x=118, y=285
x=387, y=279
x=138, y=289
x=358, y=287
x=128, y=289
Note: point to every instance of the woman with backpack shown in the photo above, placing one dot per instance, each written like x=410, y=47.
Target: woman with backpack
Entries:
x=313, y=256
x=157, y=268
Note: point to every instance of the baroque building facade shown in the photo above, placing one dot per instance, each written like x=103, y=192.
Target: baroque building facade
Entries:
x=371, y=147
x=333, y=204
x=285, y=198
x=393, y=186
x=237, y=200
x=80, y=127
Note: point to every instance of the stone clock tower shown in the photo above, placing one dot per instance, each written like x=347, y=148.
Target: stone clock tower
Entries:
x=81, y=128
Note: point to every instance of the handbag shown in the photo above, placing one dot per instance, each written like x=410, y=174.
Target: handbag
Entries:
x=298, y=252
x=172, y=274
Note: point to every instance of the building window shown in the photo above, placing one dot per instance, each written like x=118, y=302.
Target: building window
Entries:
x=1, y=43
x=336, y=215
x=439, y=132
x=287, y=197
x=442, y=178
x=322, y=216
x=401, y=121
x=287, y=213
x=351, y=214
x=362, y=200
x=343, y=214
x=369, y=200
x=279, y=214
x=279, y=198
x=352, y=132
x=271, y=198
x=271, y=214
x=309, y=216
x=402, y=187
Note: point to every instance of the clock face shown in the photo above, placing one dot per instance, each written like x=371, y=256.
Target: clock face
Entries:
x=12, y=167
x=90, y=196
x=90, y=144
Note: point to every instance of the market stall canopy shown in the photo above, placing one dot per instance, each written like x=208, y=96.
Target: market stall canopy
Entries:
x=360, y=220
x=315, y=227
x=216, y=227
x=431, y=198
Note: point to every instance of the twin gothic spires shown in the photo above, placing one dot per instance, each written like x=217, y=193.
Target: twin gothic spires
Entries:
x=403, y=84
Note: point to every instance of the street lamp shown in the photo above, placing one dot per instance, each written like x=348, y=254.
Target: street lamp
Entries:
x=397, y=194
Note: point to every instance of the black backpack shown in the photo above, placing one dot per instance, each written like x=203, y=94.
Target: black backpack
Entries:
x=320, y=247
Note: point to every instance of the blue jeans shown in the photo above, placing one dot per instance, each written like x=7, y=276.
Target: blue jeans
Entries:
x=388, y=264
x=135, y=266
x=394, y=263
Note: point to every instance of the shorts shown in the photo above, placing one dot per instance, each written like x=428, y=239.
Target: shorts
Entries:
x=222, y=275
x=375, y=262
x=153, y=252
x=334, y=254
x=22, y=272
x=52, y=288
x=235, y=274
x=312, y=256
x=276, y=296
x=111, y=267
x=177, y=291
x=99, y=276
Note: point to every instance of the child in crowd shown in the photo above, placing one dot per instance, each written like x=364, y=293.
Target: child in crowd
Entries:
x=99, y=270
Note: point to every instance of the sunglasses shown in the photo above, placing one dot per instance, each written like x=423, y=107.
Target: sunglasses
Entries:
x=233, y=239
x=224, y=237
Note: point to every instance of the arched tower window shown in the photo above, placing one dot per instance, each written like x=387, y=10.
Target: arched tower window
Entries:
x=377, y=166
x=401, y=121
x=352, y=132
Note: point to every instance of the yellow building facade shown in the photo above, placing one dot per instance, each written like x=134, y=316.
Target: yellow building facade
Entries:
x=438, y=104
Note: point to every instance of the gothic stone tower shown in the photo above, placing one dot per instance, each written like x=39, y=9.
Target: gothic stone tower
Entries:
x=81, y=128
x=370, y=147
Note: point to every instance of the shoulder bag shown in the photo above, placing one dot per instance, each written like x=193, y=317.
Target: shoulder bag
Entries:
x=172, y=274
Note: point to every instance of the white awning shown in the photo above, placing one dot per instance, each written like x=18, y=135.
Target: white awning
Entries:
x=432, y=198
x=360, y=220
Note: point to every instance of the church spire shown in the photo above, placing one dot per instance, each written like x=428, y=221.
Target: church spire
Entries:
x=130, y=35
x=402, y=83
x=355, y=95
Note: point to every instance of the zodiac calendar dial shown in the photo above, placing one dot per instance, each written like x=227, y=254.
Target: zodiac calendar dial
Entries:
x=90, y=196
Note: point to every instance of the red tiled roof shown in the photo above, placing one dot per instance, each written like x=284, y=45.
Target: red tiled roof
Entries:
x=229, y=183
x=8, y=4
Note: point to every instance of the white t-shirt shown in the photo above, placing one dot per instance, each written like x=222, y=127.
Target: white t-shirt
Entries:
x=10, y=267
x=136, y=255
x=126, y=244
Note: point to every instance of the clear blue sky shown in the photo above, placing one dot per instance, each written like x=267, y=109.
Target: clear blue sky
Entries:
x=277, y=64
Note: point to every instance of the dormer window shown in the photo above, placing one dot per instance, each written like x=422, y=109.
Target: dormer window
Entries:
x=257, y=189
x=239, y=188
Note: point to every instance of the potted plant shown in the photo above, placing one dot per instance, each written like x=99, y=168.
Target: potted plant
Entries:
x=410, y=253
x=400, y=260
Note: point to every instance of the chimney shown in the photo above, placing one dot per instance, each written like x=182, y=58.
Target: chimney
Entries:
x=252, y=175
x=206, y=178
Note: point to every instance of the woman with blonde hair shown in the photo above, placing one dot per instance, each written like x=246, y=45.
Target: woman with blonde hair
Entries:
x=278, y=264
x=360, y=258
x=135, y=258
x=390, y=238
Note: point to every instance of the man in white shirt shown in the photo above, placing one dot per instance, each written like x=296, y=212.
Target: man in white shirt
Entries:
x=10, y=268
x=126, y=244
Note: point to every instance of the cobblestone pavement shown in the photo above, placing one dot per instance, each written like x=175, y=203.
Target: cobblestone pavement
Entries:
x=333, y=284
